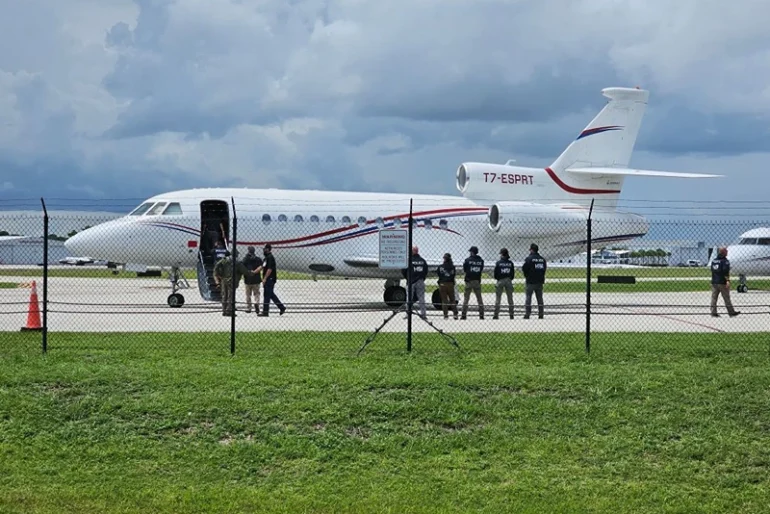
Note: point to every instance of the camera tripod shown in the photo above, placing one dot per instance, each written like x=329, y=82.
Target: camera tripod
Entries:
x=406, y=308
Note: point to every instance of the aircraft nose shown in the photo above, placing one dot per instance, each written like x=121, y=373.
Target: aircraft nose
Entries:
x=97, y=242
x=81, y=244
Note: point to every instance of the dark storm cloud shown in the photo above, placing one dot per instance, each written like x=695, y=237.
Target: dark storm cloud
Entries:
x=135, y=98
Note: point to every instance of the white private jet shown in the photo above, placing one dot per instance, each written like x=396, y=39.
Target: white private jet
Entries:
x=750, y=256
x=336, y=233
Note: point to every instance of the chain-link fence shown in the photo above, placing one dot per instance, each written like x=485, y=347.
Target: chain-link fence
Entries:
x=312, y=273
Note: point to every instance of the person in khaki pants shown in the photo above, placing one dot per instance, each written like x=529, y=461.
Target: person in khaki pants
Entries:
x=720, y=283
x=252, y=283
x=446, y=285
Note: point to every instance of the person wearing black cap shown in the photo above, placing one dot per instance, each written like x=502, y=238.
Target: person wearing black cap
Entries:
x=473, y=266
x=268, y=280
x=534, y=272
x=504, y=276
x=253, y=282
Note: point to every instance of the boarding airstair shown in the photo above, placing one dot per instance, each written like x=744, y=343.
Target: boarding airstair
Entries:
x=207, y=285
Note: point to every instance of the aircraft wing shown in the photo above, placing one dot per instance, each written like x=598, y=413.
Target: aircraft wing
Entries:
x=638, y=173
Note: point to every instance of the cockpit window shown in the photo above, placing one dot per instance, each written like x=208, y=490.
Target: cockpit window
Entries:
x=173, y=209
x=749, y=241
x=764, y=241
x=156, y=209
x=141, y=209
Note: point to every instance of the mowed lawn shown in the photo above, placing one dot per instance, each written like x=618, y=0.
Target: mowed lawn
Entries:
x=173, y=423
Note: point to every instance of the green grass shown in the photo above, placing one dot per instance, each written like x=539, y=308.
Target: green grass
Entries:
x=296, y=423
x=8, y=285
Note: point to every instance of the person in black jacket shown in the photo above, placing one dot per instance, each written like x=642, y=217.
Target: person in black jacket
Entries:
x=446, y=285
x=253, y=282
x=720, y=283
x=534, y=268
x=268, y=279
x=419, y=273
x=504, y=276
x=473, y=266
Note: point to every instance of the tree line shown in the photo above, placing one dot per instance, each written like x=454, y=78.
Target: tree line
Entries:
x=51, y=237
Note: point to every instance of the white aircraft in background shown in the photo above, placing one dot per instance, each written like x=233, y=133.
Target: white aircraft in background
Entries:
x=335, y=233
x=750, y=255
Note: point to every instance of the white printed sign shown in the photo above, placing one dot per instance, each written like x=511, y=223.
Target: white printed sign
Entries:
x=394, y=249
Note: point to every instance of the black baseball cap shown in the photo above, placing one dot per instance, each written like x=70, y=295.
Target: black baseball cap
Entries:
x=534, y=247
x=473, y=249
x=268, y=246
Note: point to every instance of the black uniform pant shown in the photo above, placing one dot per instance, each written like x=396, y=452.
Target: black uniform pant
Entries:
x=270, y=295
x=538, y=290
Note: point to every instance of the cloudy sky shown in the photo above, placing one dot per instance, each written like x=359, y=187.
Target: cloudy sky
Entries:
x=122, y=99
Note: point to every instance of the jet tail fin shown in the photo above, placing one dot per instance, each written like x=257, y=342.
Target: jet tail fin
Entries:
x=608, y=140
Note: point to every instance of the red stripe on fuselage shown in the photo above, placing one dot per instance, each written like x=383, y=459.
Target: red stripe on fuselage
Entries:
x=369, y=222
x=577, y=190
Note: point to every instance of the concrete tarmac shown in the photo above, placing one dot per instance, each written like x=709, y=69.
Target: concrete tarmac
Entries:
x=139, y=305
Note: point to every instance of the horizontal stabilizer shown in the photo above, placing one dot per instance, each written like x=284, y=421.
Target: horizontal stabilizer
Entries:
x=638, y=173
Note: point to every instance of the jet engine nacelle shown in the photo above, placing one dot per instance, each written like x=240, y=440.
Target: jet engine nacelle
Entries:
x=486, y=181
x=525, y=219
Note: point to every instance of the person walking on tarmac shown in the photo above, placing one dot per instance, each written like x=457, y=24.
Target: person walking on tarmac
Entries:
x=534, y=268
x=473, y=266
x=223, y=274
x=268, y=280
x=504, y=276
x=446, y=285
x=720, y=283
x=419, y=273
x=253, y=282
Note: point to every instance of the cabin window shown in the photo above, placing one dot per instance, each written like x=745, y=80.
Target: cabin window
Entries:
x=443, y=224
x=141, y=209
x=361, y=221
x=428, y=224
x=346, y=219
x=298, y=218
x=266, y=218
x=173, y=209
x=282, y=217
x=156, y=209
x=764, y=241
x=330, y=219
x=314, y=218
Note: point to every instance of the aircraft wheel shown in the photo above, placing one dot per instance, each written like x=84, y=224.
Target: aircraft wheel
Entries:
x=742, y=288
x=175, y=300
x=395, y=296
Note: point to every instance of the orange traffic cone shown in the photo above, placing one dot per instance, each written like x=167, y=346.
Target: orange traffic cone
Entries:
x=33, y=316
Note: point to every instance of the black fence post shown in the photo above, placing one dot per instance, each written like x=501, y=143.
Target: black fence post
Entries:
x=233, y=260
x=45, y=276
x=409, y=283
x=588, y=278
